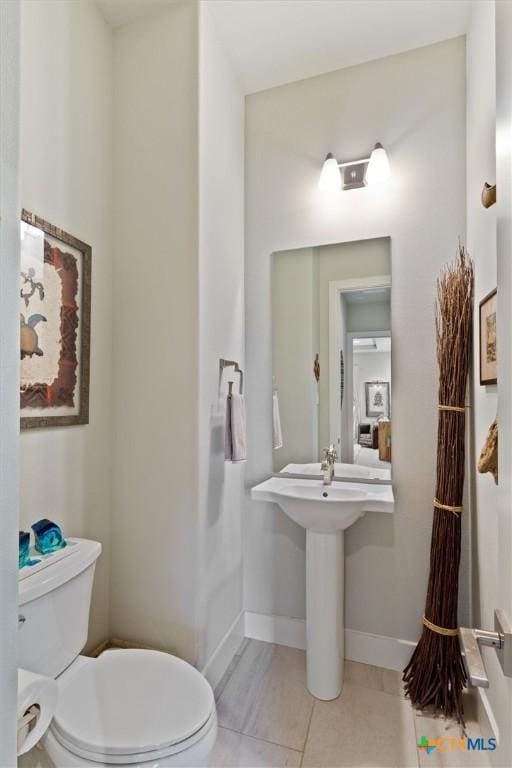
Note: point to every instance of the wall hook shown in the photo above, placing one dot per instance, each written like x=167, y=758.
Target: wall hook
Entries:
x=488, y=195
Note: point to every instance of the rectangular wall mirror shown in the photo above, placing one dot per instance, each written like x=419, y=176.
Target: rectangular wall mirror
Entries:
x=331, y=359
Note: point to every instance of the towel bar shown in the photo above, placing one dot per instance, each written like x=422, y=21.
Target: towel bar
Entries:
x=229, y=364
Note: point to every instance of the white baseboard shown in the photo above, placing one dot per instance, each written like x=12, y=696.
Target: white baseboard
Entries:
x=222, y=656
x=276, y=629
x=378, y=650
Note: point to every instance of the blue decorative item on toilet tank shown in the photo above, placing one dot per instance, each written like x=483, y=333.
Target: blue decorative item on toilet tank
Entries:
x=48, y=537
x=24, y=549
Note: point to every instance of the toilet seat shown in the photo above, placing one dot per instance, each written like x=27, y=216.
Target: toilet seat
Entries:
x=133, y=706
x=192, y=752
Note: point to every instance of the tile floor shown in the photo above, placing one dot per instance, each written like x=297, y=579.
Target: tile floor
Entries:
x=268, y=718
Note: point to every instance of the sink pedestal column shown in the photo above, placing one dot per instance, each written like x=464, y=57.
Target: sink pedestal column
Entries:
x=324, y=613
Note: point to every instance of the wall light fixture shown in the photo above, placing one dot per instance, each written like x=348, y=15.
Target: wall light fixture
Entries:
x=355, y=173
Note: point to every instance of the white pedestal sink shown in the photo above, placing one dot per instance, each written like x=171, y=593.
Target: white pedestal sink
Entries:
x=325, y=511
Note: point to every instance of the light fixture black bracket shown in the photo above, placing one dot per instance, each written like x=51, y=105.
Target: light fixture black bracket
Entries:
x=353, y=172
x=353, y=175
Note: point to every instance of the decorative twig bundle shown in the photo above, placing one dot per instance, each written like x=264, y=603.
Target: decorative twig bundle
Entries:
x=435, y=675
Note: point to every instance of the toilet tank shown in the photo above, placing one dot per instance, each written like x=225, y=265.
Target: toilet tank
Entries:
x=54, y=603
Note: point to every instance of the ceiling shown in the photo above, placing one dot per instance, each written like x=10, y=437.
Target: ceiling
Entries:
x=272, y=42
x=119, y=12
x=367, y=346
x=368, y=296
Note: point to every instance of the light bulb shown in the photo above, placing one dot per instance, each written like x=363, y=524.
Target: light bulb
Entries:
x=378, y=167
x=330, y=178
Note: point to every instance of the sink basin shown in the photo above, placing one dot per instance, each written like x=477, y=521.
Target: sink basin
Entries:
x=325, y=511
x=324, y=508
x=320, y=509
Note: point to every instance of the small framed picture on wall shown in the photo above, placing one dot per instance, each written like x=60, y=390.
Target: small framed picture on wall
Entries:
x=488, y=351
x=377, y=398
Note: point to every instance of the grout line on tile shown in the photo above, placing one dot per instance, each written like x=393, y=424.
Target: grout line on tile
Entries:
x=307, y=731
x=411, y=712
x=260, y=738
x=381, y=685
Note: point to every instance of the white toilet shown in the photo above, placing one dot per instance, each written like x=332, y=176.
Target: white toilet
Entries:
x=125, y=708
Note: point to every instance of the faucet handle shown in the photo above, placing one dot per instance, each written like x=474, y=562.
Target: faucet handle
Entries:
x=330, y=455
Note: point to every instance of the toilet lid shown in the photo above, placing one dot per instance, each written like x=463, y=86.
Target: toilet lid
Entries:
x=132, y=701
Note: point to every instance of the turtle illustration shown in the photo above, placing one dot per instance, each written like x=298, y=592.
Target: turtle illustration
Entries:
x=29, y=341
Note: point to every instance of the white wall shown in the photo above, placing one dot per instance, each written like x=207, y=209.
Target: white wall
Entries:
x=66, y=177
x=178, y=308
x=9, y=372
x=398, y=101
x=156, y=327
x=371, y=316
x=221, y=329
x=503, y=710
x=481, y=243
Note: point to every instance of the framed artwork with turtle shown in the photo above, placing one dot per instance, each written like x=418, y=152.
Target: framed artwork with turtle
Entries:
x=55, y=316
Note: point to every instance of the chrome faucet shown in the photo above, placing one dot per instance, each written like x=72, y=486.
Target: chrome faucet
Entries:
x=327, y=465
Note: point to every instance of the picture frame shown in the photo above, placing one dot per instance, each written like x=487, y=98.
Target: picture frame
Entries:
x=55, y=325
x=487, y=339
x=377, y=398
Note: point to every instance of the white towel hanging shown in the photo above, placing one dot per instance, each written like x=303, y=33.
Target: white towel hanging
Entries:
x=277, y=432
x=235, y=444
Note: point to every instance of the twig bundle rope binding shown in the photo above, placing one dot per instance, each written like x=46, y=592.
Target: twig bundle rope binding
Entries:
x=447, y=507
x=456, y=408
x=440, y=630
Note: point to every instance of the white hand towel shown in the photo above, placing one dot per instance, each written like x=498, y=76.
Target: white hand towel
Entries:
x=277, y=433
x=235, y=438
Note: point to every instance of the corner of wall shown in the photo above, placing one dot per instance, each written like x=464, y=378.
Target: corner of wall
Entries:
x=9, y=370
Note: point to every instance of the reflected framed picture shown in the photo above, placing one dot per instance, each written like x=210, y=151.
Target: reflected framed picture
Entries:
x=55, y=315
x=488, y=350
x=377, y=398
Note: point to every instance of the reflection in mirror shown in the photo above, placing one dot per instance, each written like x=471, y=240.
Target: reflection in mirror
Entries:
x=331, y=359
